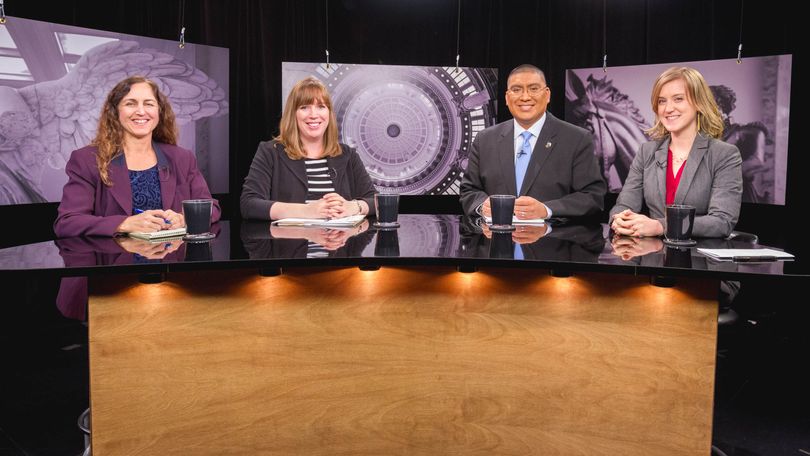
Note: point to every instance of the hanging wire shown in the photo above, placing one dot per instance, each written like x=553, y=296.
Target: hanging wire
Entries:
x=604, y=36
x=182, y=43
x=327, y=34
x=458, y=38
x=2, y=12
x=739, y=46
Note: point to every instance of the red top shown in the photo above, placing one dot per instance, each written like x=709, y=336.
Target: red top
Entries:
x=672, y=181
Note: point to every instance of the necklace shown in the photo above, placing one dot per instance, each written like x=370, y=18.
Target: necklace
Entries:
x=678, y=160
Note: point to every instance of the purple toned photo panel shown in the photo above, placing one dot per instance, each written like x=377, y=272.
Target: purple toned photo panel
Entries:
x=412, y=126
x=54, y=79
x=753, y=97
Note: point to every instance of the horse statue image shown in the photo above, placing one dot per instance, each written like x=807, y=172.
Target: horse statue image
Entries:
x=616, y=123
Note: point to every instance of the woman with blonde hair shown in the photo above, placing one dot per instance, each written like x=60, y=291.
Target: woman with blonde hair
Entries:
x=304, y=171
x=685, y=163
x=133, y=176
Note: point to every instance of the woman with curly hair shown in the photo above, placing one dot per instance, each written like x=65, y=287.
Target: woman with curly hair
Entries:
x=133, y=176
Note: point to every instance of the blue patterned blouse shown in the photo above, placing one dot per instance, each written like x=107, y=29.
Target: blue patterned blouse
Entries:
x=145, y=190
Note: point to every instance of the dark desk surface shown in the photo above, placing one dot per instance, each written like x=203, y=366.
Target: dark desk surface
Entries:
x=420, y=240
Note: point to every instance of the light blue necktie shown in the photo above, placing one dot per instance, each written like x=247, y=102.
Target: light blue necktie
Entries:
x=518, y=252
x=522, y=160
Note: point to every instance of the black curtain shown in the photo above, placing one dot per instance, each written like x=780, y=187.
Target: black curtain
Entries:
x=553, y=34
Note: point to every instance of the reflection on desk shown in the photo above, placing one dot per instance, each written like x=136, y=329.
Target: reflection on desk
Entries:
x=41, y=255
x=107, y=251
x=421, y=239
x=90, y=251
x=652, y=252
x=575, y=243
x=420, y=236
x=103, y=251
x=262, y=240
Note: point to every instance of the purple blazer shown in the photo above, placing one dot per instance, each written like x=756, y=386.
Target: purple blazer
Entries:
x=89, y=207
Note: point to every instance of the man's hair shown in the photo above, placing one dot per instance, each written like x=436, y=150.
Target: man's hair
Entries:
x=527, y=68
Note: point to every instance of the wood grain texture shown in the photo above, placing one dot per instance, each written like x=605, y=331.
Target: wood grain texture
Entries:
x=402, y=361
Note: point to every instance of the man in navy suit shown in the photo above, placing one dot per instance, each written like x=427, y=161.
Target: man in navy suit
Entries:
x=562, y=177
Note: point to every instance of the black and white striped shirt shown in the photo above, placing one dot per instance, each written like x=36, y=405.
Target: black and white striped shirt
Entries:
x=319, y=179
x=319, y=183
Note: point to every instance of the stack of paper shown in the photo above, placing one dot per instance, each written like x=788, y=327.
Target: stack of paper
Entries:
x=162, y=234
x=746, y=254
x=517, y=221
x=352, y=220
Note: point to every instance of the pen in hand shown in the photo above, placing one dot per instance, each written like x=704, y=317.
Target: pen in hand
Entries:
x=140, y=211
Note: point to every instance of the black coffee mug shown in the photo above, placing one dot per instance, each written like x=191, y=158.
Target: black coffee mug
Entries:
x=197, y=213
x=680, y=221
x=387, y=206
x=503, y=208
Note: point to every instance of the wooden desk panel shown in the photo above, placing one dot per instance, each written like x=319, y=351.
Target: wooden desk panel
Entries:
x=401, y=361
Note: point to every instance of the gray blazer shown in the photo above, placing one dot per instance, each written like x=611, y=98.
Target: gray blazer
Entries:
x=711, y=181
x=563, y=172
x=273, y=177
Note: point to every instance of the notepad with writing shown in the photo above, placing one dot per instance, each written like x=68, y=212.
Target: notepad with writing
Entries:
x=746, y=254
x=343, y=222
x=162, y=234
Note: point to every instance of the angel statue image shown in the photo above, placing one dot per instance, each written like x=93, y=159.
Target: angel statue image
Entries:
x=41, y=124
x=616, y=123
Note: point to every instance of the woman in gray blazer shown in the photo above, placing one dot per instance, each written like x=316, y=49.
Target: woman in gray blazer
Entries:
x=685, y=163
x=304, y=171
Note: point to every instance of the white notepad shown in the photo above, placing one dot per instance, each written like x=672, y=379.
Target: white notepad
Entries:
x=517, y=221
x=746, y=254
x=162, y=234
x=343, y=222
